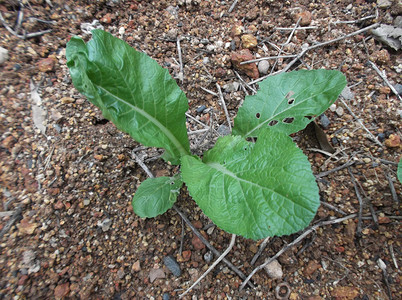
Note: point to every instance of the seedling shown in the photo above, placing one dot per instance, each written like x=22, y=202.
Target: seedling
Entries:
x=254, y=189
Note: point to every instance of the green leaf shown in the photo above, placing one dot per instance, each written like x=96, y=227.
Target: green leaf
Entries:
x=156, y=195
x=132, y=90
x=399, y=172
x=254, y=190
x=287, y=102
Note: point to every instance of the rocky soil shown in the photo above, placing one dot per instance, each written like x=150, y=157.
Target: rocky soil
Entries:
x=67, y=175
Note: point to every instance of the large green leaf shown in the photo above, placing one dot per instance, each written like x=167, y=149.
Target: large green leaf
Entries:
x=289, y=101
x=132, y=90
x=254, y=190
x=156, y=195
x=399, y=174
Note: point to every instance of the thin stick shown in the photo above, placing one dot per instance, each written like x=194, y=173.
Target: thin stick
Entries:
x=392, y=188
x=181, y=73
x=354, y=21
x=266, y=58
x=245, y=83
x=7, y=213
x=22, y=36
x=391, y=251
x=15, y=217
x=209, y=246
x=326, y=173
x=232, y=6
x=287, y=42
x=232, y=241
x=360, y=199
x=297, y=240
x=224, y=106
x=262, y=247
x=289, y=65
x=360, y=123
x=334, y=208
x=20, y=17
x=210, y=92
x=142, y=165
x=382, y=75
x=292, y=28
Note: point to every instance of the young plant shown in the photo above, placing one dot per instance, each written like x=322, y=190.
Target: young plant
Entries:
x=254, y=189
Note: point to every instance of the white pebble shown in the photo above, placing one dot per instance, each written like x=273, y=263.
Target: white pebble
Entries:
x=3, y=55
x=263, y=67
x=274, y=270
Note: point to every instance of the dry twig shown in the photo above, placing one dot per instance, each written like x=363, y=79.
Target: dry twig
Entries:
x=360, y=199
x=384, y=77
x=326, y=173
x=232, y=241
x=297, y=240
x=224, y=106
x=262, y=247
x=305, y=50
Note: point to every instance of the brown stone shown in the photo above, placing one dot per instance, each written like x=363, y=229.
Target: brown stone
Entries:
x=237, y=29
x=385, y=90
x=186, y=255
x=26, y=227
x=345, y=293
x=62, y=290
x=197, y=243
x=249, y=41
x=393, y=141
x=47, y=64
x=136, y=266
x=107, y=18
x=8, y=142
x=305, y=18
x=251, y=69
x=311, y=267
x=380, y=56
x=23, y=280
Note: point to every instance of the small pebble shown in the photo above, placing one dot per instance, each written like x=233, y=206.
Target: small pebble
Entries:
x=201, y=109
x=339, y=111
x=347, y=93
x=3, y=55
x=381, y=137
x=208, y=257
x=274, y=269
x=398, y=88
x=205, y=60
x=105, y=224
x=172, y=265
x=165, y=296
x=332, y=107
x=223, y=130
x=263, y=67
x=324, y=121
x=233, y=45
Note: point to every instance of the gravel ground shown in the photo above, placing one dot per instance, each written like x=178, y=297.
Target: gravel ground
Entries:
x=67, y=175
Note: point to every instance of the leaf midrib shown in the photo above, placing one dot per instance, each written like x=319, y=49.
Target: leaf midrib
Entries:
x=155, y=121
x=220, y=168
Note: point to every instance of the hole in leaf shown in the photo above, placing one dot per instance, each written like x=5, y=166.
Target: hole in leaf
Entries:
x=172, y=183
x=245, y=148
x=288, y=120
x=257, y=115
x=291, y=101
x=272, y=123
x=309, y=117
